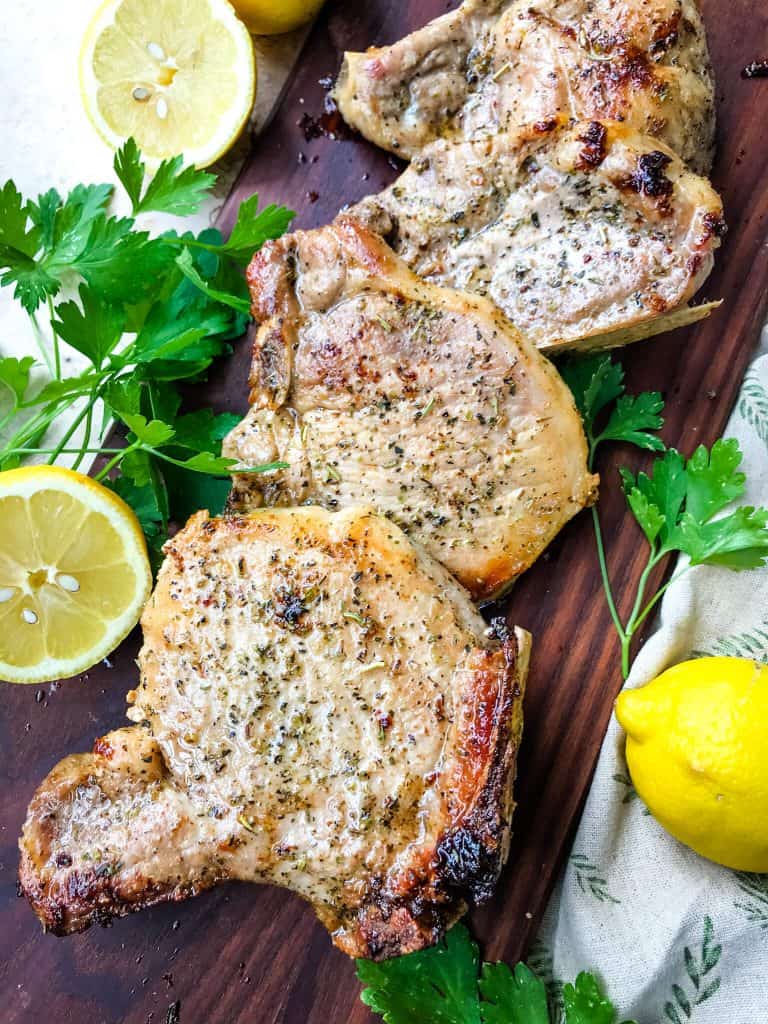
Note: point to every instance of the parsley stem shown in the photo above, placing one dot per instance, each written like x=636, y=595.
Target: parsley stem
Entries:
x=42, y=347
x=86, y=434
x=60, y=447
x=121, y=453
x=658, y=596
x=32, y=428
x=64, y=451
x=56, y=348
x=604, y=573
x=638, y=615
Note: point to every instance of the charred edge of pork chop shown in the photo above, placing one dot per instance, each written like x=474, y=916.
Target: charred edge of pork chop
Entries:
x=413, y=910
x=583, y=234
x=478, y=68
x=68, y=898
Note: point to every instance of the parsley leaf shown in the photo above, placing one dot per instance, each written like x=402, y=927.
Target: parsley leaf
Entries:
x=14, y=215
x=631, y=420
x=122, y=264
x=136, y=464
x=434, y=986
x=172, y=330
x=152, y=433
x=144, y=502
x=93, y=330
x=14, y=375
x=73, y=224
x=186, y=264
x=176, y=189
x=188, y=492
x=596, y=382
x=253, y=228
x=512, y=997
x=173, y=188
x=664, y=490
x=584, y=1003
x=207, y=462
x=123, y=395
x=675, y=506
x=203, y=430
x=18, y=247
x=677, y=502
x=713, y=479
x=441, y=986
x=56, y=391
x=737, y=541
x=130, y=170
x=43, y=215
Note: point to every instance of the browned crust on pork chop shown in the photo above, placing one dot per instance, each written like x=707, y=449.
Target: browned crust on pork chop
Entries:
x=320, y=707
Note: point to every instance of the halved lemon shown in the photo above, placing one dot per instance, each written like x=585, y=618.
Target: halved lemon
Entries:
x=74, y=573
x=271, y=17
x=177, y=75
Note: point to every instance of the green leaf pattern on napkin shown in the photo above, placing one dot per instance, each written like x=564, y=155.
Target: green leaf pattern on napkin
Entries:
x=701, y=981
x=753, y=406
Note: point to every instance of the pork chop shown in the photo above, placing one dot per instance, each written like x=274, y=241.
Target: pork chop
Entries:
x=491, y=65
x=377, y=387
x=320, y=707
x=584, y=235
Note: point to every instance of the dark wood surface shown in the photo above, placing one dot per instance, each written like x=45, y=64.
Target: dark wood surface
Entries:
x=254, y=955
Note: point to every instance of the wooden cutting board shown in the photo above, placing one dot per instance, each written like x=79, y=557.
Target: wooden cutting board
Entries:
x=255, y=955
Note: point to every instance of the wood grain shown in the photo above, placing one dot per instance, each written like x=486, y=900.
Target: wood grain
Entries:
x=255, y=955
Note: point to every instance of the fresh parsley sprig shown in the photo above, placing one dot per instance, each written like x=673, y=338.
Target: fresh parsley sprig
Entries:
x=676, y=505
x=146, y=313
x=447, y=985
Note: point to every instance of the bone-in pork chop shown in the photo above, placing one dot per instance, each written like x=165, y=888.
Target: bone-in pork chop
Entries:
x=377, y=387
x=320, y=707
x=585, y=235
x=491, y=65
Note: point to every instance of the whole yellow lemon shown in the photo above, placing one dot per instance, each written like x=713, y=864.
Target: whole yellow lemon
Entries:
x=697, y=751
x=270, y=17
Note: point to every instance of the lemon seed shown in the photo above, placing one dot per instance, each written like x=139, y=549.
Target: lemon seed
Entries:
x=155, y=50
x=6, y=593
x=162, y=109
x=141, y=94
x=29, y=616
x=68, y=583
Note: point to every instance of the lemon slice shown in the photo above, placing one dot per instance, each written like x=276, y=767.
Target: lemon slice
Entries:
x=74, y=573
x=177, y=75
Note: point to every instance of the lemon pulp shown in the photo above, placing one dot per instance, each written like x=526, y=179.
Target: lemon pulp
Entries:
x=177, y=75
x=74, y=573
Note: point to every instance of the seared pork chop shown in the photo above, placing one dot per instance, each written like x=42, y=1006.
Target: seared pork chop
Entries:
x=377, y=387
x=320, y=707
x=491, y=65
x=584, y=235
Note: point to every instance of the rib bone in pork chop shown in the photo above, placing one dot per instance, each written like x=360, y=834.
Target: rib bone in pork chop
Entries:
x=491, y=65
x=585, y=235
x=378, y=387
x=320, y=707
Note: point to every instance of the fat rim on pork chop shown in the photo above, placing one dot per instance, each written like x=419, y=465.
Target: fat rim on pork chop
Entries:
x=320, y=707
x=378, y=387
